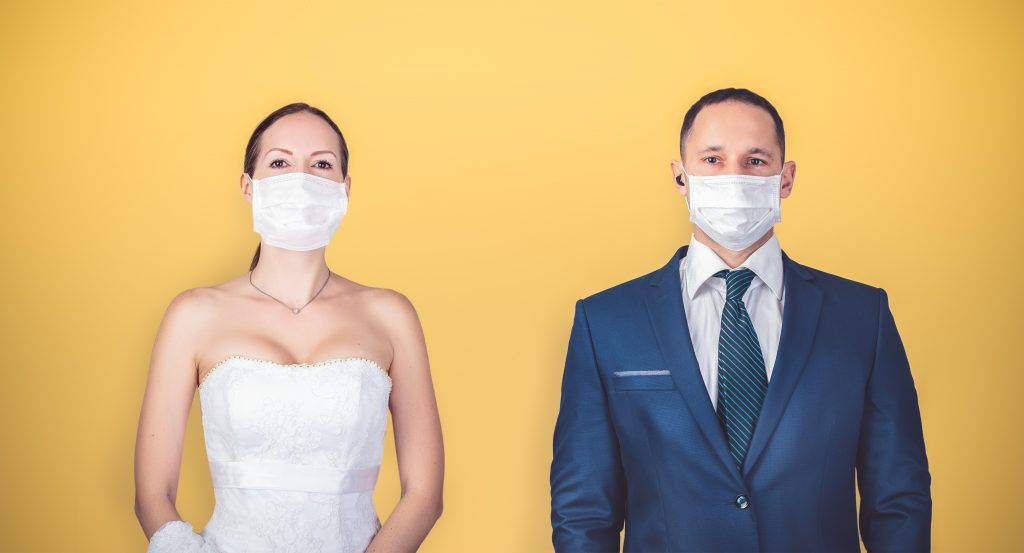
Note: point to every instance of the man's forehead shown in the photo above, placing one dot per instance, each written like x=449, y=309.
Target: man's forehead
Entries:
x=733, y=126
x=734, y=116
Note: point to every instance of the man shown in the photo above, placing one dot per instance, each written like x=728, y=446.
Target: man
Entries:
x=726, y=401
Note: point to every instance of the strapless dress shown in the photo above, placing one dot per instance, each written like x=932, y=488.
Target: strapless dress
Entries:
x=294, y=453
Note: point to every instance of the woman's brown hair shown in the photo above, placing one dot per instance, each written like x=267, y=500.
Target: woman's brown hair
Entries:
x=252, y=149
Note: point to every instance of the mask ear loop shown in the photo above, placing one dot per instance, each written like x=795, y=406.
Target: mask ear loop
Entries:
x=778, y=214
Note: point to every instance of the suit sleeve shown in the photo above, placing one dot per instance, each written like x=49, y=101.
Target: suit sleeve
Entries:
x=892, y=468
x=587, y=482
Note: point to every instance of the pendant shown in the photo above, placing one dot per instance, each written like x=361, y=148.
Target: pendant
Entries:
x=295, y=310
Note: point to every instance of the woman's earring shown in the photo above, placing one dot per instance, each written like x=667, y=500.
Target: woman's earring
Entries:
x=679, y=180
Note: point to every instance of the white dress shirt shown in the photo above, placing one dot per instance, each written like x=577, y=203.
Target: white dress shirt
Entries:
x=704, y=299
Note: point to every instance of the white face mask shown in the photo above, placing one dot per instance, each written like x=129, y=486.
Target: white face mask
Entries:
x=734, y=210
x=297, y=211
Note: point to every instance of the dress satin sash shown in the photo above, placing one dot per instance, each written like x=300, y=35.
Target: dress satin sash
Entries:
x=280, y=476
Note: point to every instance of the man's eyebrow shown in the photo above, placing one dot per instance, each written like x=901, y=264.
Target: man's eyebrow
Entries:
x=754, y=150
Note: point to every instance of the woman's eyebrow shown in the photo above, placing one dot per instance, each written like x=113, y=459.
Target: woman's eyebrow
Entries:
x=316, y=153
x=278, y=149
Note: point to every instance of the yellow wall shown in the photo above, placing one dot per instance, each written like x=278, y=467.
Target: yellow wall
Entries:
x=507, y=159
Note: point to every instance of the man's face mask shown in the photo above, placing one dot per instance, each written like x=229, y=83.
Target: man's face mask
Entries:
x=734, y=210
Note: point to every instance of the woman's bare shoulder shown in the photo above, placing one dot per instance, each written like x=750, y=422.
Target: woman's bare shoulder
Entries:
x=385, y=303
x=204, y=301
x=392, y=307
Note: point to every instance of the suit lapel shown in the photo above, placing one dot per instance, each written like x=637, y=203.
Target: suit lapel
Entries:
x=665, y=307
x=799, y=322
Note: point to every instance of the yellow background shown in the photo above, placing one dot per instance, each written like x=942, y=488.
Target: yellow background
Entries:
x=507, y=159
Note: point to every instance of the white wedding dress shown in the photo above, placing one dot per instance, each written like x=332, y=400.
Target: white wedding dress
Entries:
x=294, y=453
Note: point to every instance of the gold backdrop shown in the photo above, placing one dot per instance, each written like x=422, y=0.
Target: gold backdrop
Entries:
x=507, y=159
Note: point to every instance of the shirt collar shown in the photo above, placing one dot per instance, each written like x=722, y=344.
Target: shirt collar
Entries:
x=701, y=263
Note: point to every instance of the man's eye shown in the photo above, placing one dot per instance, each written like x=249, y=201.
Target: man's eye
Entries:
x=711, y=159
x=275, y=165
x=759, y=161
x=322, y=164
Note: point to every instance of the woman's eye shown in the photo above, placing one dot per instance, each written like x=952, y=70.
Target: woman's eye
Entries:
x=322, y=164
x=275, y=165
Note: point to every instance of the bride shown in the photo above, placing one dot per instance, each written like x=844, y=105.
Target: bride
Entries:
x=296, y=368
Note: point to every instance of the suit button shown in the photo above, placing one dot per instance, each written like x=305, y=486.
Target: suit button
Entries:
x=742, y=502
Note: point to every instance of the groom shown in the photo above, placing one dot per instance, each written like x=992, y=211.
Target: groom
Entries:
x=728, y=400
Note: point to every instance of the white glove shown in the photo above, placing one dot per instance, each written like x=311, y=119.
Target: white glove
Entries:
x=176, y=536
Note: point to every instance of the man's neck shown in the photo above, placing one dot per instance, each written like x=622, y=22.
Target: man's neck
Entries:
x=731, y=258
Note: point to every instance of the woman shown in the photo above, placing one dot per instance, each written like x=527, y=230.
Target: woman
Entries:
x=296, y=368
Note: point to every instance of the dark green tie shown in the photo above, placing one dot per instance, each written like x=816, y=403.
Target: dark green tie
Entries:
x=742, y=382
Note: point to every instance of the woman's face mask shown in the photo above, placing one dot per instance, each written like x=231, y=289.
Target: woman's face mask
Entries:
x=297, y=211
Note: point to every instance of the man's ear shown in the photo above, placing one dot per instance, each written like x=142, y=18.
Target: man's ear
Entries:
x=677, y=174
x=246, y=186
x=788, y=176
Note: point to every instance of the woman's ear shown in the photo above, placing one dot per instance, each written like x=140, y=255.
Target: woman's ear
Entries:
x=788, y=176
x=246, y=185
x=348, y=185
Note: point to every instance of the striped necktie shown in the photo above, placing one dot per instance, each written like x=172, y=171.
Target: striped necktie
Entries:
x=742, y=382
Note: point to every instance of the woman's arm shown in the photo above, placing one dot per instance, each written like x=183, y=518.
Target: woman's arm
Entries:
x=417, y=429
x=170, y=387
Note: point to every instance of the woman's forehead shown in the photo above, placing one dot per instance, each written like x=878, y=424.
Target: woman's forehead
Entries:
x=300, y=132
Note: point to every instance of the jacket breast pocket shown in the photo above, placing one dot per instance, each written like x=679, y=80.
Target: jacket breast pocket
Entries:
x=642, y=380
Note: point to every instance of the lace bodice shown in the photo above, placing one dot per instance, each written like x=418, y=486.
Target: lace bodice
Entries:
x=294, y=453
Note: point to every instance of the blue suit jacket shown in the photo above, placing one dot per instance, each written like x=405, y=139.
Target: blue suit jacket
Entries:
x=648, y=451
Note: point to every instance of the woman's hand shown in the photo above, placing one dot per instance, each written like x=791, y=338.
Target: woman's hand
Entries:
x=176, y=536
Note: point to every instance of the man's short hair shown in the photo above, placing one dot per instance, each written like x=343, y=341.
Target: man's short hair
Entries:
x=735, y=95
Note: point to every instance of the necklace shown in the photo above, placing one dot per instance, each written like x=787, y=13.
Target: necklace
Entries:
x=294, y=310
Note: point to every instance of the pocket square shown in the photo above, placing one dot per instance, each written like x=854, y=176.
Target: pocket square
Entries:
x=640, y=373
x=643, y=380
